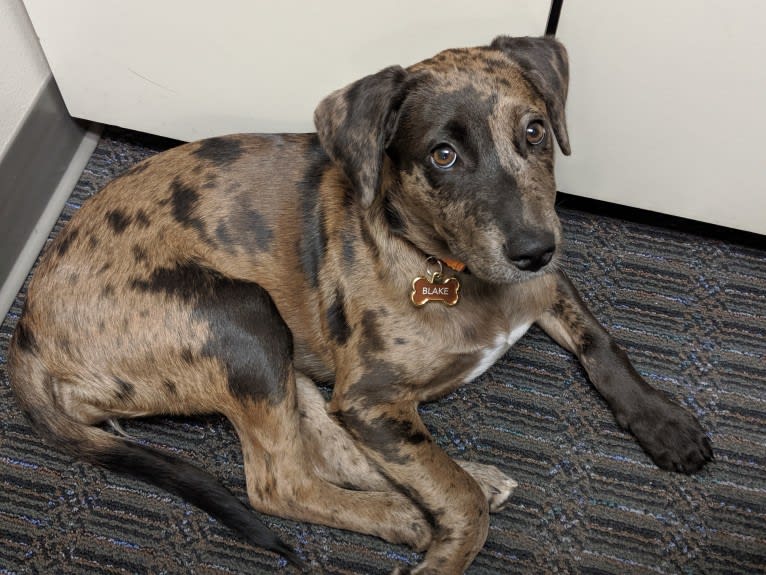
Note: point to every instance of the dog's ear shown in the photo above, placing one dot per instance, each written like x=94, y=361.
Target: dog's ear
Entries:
x=356, y=123
x=544, y=63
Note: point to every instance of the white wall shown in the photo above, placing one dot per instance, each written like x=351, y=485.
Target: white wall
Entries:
x=189, y=70
x=667, y=107
x=23, y=69
x=666, y=98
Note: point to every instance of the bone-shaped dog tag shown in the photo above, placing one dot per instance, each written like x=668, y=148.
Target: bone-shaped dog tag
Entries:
x=438, y=289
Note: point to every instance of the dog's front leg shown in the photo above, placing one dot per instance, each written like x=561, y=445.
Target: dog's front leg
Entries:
x=394, y=437
x=670, y=435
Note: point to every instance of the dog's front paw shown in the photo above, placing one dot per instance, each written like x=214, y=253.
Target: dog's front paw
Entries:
x=495, y=484
x=671, y=436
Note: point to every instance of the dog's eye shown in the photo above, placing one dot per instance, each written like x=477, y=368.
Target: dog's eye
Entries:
x=443, y=157
x=535, y=133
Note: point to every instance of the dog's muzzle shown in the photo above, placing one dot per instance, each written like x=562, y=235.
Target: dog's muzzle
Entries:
x=531, y=251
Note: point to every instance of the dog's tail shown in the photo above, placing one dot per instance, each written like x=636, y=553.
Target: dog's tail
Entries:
x=34, y=388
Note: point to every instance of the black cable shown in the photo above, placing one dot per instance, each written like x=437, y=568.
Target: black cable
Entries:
x=553, y=17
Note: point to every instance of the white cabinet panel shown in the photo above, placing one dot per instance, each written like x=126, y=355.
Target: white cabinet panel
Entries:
x=667, y=107
x=194, y=69
x=666, y=100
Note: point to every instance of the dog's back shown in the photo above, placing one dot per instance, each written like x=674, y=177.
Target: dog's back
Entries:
x=189, y=228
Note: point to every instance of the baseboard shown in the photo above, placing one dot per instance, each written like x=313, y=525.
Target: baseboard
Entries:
x=38, y=172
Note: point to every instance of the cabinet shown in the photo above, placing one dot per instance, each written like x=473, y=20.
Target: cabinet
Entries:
x=666, y=107
x=666, y=99
x=189, y=70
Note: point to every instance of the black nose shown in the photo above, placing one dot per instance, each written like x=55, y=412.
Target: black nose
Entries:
x=531, y=251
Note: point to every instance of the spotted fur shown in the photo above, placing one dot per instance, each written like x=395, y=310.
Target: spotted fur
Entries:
x=231, y=274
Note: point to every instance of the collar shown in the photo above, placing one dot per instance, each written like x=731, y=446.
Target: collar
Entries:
x=454, y=265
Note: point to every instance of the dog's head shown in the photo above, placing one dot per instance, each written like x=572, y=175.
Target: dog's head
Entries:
x=458, y=150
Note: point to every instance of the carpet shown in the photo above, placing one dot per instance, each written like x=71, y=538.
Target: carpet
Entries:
x=688, y=304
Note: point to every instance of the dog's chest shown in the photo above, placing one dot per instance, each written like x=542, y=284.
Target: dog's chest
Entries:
x=438, y=349
x=438, y=365
x=434, y=348
x=501, y=343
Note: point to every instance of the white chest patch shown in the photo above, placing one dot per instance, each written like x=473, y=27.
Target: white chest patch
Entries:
x=503, y=341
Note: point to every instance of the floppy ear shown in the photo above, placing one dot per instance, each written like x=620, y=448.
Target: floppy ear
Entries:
x=544, y=63
x=356, y=123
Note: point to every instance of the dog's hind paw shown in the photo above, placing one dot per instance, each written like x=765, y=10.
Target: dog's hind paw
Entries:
x=495, y=484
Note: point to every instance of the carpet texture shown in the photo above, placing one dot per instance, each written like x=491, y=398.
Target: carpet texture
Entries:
x=691, y=311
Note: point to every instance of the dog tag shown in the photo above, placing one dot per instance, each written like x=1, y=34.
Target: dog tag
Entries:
x=437, y=288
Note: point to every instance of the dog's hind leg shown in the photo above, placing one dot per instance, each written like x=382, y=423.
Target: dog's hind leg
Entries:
x=285, y=477
x=69, y=422
x=337, y=458
x=333, y=454
x=248, y=341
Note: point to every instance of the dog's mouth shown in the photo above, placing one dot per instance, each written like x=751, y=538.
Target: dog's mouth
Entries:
x=496, y=270
x=495, y=273
x=445, y=253
x=493, y=266
x=492, y=262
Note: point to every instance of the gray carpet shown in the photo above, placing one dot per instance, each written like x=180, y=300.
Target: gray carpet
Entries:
x=689, y=306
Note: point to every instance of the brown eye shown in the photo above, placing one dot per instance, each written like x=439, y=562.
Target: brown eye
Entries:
x=535, y=133
x=443, y=157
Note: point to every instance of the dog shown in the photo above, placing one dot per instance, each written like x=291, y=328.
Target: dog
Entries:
x=395, y=254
